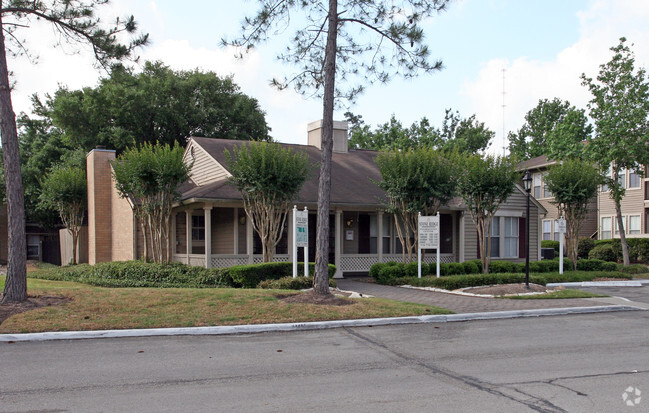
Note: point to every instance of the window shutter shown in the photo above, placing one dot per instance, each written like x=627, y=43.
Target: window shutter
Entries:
x=522, y=237
x=477, y=236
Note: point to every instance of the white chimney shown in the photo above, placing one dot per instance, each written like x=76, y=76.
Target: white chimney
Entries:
x=340, y=135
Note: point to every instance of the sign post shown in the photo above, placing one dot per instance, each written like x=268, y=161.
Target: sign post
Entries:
x=561, y=229
x=300, y=238
x=428, y=238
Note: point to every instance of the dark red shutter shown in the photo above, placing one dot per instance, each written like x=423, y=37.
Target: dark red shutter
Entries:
x=521, y=237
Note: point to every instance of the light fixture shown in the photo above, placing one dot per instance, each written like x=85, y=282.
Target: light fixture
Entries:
x=349, y=222
x=242, y=220
x=527, y=181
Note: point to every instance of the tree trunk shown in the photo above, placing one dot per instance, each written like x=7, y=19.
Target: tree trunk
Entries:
x=16, y=281
x=321, y=276
x=75, y=239
x=620, y=225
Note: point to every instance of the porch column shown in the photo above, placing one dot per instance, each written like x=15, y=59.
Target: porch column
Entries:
x=188, y=233
x=461, y=240
x=235, y=247
x=172, y=241
x=208, y=235
x=249, y=248
x=379, y=240
x=338, y=252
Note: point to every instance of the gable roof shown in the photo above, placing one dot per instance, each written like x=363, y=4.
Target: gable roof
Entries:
x=540, y=162
x=353, y=176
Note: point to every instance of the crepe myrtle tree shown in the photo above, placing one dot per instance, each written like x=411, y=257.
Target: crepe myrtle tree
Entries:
x=269, y=178
x=339, y=47
x=620, y=111
x=573, y=184
x=74, y=23
x=418, y=180
x=485, y=182
x=65, y=191
x=149, y=177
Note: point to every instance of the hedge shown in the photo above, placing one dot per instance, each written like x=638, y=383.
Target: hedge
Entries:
x=290, y=283
x=249, y=276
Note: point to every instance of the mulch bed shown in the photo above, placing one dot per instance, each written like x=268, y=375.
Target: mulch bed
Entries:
x=310, y=297
x=32, y=303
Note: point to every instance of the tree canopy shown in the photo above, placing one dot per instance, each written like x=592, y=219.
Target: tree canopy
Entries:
x=73, y=22
x=457, y=134
x=485, y=182
x=415, y=181
x=269, y=178
x=573, y=184
x=553, y=128
x=620, y=110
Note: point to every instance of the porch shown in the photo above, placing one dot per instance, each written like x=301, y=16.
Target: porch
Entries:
x=218, y=235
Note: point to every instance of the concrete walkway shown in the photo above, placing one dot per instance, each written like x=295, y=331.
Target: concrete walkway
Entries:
x=459, y=303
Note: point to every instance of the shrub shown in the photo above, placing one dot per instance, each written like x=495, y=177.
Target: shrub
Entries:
x=390, y=272
x=455, y=268
x=604, y=252
x=290, y=283
x=584, y=246
x=412, y=269
x=638, y=249
x=501, y=267
x=249, y=276
x=374, y=269
x=633, y=269
x=551, y=244
x=590, y=265
x=520, y=267
x=470, y=267
x=609, y=266
x=443, y=269
x=478, y=263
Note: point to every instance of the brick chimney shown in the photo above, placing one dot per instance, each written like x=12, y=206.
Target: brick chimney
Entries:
x=340, y=135
x=99, y=205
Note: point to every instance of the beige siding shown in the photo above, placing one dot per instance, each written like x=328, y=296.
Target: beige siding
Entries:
x=632, y=204
x=205, y=169
x=223, y=231
x=351, y=246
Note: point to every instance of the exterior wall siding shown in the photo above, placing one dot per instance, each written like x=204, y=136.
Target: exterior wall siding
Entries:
x=223, y=231
x=205, y=169
x=631, y=204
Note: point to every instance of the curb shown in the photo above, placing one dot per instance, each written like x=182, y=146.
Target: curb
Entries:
x=316, y=325
x=633, y=283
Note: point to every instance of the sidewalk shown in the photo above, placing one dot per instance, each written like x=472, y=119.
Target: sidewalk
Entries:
x=459, y=303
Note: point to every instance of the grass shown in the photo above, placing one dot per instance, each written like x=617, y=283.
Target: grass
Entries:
x=98, y=308
x=568, y=293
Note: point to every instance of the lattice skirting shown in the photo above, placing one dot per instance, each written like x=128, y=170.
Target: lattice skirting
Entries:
x=362, y=263
x=258, y=259
x=222, y=262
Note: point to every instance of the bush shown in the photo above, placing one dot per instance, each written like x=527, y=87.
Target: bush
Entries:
x=638, y=249
x=501, y=267
x=390, y=272
x=290, y=283
x=412, y=269
x=604, y=252
x=551, y=244
x=249, y=276
x=609, y=266
x=591, y=265
x=470, y=267
x=584, y=246
x=455, y=268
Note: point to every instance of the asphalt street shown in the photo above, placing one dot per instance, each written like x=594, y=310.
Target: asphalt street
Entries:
x=578, y=363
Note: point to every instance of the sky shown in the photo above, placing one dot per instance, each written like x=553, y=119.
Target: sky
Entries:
x=500, y=58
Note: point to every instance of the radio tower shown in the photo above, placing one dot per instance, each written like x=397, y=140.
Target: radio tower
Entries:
x=503, y=107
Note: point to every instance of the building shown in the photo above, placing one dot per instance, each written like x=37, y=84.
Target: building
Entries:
x=209, y=226
x=634, y=206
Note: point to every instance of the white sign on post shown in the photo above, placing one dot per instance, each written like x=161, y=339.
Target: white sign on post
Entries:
x=300, y=238
x=428, y=238
x=560, y=227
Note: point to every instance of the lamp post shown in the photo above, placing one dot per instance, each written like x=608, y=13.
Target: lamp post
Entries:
x=527, y=183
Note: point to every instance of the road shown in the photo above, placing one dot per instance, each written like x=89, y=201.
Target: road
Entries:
x=580, y=363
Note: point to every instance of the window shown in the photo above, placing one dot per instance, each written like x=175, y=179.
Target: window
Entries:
x=33, y=246
x=634, y=179
x=387, y=225
x=374, y=230
x=198, y=234
x=537, y=186
x=547, y=230
x=609, y=174
x=606, y=228
x=546, y=191
x=621, y=178
x=511, y=237
x=504, y=237
x=495, y=237
x=617, y=228
x=634, y=224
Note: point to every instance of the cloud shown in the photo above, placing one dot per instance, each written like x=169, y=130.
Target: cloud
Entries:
x=527, y=81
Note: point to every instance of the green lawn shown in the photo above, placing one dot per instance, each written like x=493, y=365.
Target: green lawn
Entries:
x=97, y=308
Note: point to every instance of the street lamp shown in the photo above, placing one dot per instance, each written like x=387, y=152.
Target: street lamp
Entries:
x=527, y=183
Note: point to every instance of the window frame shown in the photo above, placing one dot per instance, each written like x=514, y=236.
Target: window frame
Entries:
x=630, y=227
x=602, y=227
